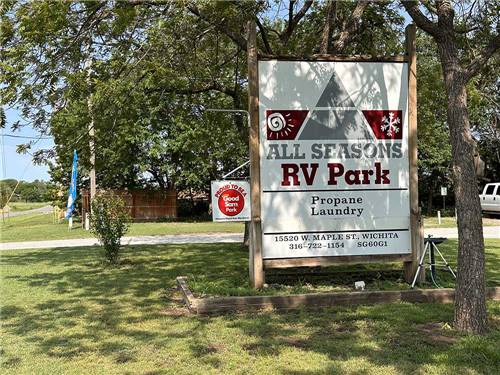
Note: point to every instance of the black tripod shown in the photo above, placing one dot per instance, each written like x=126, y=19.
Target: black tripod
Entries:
x=430, y=245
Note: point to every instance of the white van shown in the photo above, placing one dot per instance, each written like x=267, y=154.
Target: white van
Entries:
x=490, y=199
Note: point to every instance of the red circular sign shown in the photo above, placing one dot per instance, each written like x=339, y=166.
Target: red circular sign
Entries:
x=231, y=202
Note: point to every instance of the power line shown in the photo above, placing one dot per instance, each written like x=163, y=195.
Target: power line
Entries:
x=25, y=137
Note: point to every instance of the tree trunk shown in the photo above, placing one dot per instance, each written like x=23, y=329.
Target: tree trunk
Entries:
x=246, y=236
x=326, y=36
x=431, y=196
x=470, y=300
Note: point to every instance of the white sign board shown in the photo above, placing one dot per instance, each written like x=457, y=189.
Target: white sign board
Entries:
x=444, y=191
x=334, y=158
x=230, y=201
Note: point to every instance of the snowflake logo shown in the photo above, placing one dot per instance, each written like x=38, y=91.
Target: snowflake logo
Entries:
x=390, y=124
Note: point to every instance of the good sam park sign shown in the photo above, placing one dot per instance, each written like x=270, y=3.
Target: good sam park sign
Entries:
x=230, y=201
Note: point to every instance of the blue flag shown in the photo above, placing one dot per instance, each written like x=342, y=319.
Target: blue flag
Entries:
x=72, y=187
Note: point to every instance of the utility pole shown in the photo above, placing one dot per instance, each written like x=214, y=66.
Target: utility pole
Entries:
x=92, y=151
x=92, y=176
x=3, y=174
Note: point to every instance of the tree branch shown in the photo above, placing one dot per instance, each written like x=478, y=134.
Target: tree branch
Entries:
x=411, y=6
x=197, y=90
x=430, y=8
x=263, y=35
x=331, y=15
x=290, y=13
x=446, y=15
x=238, y=39
x=85, y=26
x=349, y=29
x=294, y=20
x=483, y=57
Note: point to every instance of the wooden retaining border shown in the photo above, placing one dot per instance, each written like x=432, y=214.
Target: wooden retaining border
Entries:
x=254, y=303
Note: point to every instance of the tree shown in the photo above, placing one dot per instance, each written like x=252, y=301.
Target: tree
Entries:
x=146, y=92
x=5, y=192
x=434, y=150
x=484, y=110
x=478, y=26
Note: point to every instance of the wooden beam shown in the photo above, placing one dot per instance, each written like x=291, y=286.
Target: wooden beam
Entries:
x=330, y=261
x=416, y=232
x=318, y=300
x=255, y=259
x=187, y=295
x=343, y=58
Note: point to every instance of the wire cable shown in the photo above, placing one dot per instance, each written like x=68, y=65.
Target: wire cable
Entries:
x=25, y=136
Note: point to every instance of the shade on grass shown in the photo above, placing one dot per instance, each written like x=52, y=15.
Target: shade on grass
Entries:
x=63, y=312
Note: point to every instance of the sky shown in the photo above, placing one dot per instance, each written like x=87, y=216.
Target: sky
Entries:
x=20, y=166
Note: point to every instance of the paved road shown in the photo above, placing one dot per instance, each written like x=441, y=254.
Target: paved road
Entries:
x=41, y=210
x=137, y=240
x=489, y=232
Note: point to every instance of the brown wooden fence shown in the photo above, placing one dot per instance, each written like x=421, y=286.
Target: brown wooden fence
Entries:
x=144, y=205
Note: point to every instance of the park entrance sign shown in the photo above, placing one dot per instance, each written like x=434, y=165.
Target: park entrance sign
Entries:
x=333, y=160
x=334, y=165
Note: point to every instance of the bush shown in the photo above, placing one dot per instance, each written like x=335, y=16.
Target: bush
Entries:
x=109, y=222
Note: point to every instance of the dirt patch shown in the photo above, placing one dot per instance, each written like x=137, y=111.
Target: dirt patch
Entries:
x=345, y=328
x=212, y=348
x=175, y=312
x=435, y=333
x=295, y=342
x=124, y=357
x=494, y=321
x=252, y=348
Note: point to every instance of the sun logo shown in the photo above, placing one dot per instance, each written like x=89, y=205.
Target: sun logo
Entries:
x=284, y=125
x=278, y=124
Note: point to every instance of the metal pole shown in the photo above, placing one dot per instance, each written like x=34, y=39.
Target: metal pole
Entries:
x=236, y=169
x=445, y=262
x=420, y=265
x=91, y=134
x=4, y=168
x=3, y=174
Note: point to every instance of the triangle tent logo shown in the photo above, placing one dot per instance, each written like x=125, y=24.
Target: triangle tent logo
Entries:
x=335, y=94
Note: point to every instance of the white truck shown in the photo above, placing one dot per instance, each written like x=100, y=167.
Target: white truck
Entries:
x=490, y=199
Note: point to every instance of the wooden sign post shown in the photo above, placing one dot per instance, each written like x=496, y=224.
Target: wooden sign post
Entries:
x=416, y=224
x=255, y=258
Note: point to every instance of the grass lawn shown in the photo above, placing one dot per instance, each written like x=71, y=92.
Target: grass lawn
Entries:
x=449, y=222
x=64, y=312
x=41, y=227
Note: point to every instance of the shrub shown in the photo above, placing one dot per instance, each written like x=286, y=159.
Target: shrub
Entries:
x=109, y=222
